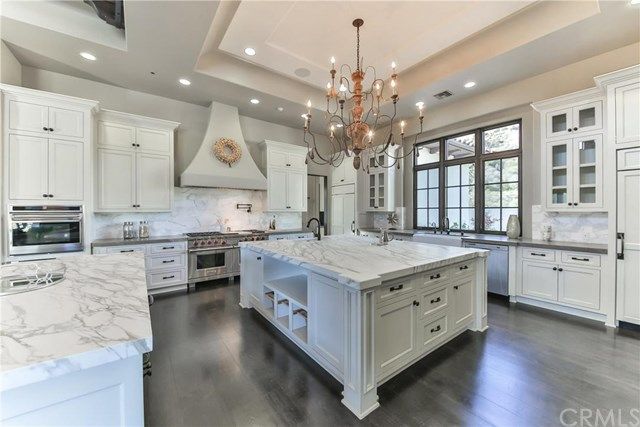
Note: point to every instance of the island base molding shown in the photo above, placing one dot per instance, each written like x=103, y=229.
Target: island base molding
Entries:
x=363, y=337
x=109, y=394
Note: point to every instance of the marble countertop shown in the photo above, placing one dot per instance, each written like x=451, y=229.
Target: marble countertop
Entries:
x=137, y=241
x=355, y=262
x=98, y=314
x=597, y=248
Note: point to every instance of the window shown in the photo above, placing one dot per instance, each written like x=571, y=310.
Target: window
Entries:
x=471, y=178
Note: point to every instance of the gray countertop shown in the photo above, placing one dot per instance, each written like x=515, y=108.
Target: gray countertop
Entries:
x=597, y=248
x=137, y=241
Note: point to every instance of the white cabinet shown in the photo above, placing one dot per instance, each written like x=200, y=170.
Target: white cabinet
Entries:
x=566, y=278
x=32, y=117
x=574, y=119
x=628, y=247
x=116, y=175
x=344, y=173
x=574, y=174
x=395, y=335
x=627, y=113
x=45, y=169
x=135, y=163
x=572, y=151
x=286, y=173
x=343, y=212
x=462, y=299
x=252, y=276
x=154, y=181
x=326, y=320
x=382, y=186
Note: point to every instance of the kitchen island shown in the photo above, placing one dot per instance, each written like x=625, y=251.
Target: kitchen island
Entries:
x=365, y=312
x=71, y=351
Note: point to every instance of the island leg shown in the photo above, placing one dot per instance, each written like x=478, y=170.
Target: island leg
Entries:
x=360, y=390
x=480, y=309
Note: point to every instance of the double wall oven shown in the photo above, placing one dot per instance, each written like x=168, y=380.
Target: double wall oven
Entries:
x=44, y=229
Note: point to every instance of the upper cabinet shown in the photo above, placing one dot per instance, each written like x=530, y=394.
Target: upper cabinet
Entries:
x=622, y=89
x=134, y=163
x=382, y=185
x=344, y=173
x=572, y=137
x=47, y=154
x=286, y=172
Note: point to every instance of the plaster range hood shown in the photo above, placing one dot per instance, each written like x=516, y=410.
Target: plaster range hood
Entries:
x=207, y=171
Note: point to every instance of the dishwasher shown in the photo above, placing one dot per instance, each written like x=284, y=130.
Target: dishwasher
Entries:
x=497, y=266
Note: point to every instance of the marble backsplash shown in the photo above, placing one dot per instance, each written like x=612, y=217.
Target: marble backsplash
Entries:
x=201, y=209
x=589, y=227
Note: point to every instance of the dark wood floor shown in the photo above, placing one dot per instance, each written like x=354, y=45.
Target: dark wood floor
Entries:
x=216, y=364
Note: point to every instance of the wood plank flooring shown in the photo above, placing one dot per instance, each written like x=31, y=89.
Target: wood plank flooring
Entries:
x=215, y=364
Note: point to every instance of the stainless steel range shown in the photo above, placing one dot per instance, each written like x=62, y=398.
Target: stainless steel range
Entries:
x=216, y=255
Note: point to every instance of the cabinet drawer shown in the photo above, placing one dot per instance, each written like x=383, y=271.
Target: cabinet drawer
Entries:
x=580, y=258
x=434, y=278
x=463, y=268
x=166, y=278
x=161, y=248
x=434, y=300
x=393, y=290
x=124, y=249
x=539, y=254
x=431, y=330
x=629, y=159
x=166, y=261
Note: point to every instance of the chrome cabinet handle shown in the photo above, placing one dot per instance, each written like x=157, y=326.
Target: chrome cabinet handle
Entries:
x=620, y=236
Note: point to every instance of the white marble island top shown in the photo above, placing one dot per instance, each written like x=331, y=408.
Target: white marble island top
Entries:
x=355, y=262
x=98, y=314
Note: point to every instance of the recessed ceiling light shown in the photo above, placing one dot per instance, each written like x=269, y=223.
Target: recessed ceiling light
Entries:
x=184, y=82
x=89, y=56
x=469, y=85
x=281, y=109
x=249, y=51
x=255, y=101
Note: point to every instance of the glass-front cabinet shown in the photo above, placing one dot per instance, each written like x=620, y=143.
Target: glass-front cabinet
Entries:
x=382, y=185
x=571, y=120
x=574, y=173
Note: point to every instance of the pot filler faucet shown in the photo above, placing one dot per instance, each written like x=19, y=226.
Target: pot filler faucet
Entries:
x=317, y=233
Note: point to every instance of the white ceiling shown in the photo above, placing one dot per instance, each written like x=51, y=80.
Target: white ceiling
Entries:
x=438, y=45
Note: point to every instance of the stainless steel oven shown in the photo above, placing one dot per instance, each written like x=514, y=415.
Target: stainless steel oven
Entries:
x=213, y=263
x=45, y=229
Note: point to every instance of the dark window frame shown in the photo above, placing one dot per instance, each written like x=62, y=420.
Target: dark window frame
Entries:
x=478, y=159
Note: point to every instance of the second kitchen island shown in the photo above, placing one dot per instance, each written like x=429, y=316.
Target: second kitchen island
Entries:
x=365, y=312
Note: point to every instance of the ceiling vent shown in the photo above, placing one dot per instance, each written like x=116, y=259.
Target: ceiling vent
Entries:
x=442, y=95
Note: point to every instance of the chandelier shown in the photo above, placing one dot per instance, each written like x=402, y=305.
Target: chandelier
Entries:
x=351, y=134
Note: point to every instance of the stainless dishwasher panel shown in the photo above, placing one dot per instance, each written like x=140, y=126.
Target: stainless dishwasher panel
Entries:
x=497, y=267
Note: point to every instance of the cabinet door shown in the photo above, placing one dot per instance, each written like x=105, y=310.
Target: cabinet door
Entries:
x=154, y=182
x=252, y=275
x=559, y=122
x=296, y=161
x=296, y=191
x=381, y=189
x=337, y=174
x=28, y=117
x=462, y=301
x=115, y=135
x=559, y=187
x=277, y=189
x=278, y=158
x=337, y=214
x=66, y=171
x=539, y=280
x=349, y=173
x=579, y=286
x=116, y=180
x=372, y=191
x=28, y=167
x=349, y=214
x=628, y=248
x=66, y=122
x=587, y=172
x=395, y=335
x=587, y=117
x=627, y=126
x=153, y=141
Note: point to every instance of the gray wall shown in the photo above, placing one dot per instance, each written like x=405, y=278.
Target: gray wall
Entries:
x=10, y=68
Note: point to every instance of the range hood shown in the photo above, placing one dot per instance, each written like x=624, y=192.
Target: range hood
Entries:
x=207, y=171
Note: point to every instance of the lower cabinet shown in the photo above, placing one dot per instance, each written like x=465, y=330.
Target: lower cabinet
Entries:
x=325, y=326
x=567, y=278
x=252, y=275
x=395, y=335
x=418, y=316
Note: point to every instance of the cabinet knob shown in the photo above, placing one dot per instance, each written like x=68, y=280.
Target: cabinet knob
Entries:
x=575, y=128
x=569, y=130
x=44, y=128
x=456, y=287
x=50, y=195
x=133, y=145
x=555, y=268
x=259, y=258
x=45, y=195
x=569, y=203
x=50, y=129
x=560, y=269
x=416, y=303
x=575, y=204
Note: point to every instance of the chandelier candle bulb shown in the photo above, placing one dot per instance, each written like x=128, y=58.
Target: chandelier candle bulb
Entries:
x=309, y=108
x=402, y=123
